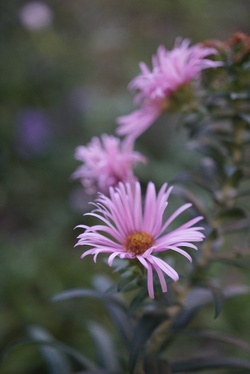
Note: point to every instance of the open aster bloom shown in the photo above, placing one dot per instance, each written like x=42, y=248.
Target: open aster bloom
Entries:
x=171, y=70
x=139, y=234
x=106, y=162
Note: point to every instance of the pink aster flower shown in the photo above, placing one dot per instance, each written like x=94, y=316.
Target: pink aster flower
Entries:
x=106, y=162
x=171, y=70
x=139, y=233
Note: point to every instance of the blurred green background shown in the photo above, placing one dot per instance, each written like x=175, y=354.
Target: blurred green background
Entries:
x=65, y=66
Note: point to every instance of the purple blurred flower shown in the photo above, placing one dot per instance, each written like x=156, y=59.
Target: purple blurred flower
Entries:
x=33, y=132
x=171, y=70
x=36, y=15
x=129, y=231
x=106, y=162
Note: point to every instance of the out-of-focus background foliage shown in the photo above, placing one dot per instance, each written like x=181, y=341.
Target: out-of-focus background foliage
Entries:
x=64, y=70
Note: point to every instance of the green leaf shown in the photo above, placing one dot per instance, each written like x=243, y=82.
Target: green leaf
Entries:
x=214, y=363
x=218, y=300
x=182, y=319
x=103, y=284
x=107, y=356
x=221, y=338
x=86, y=292
x=81, y=360
x=197, y=298
x=142, y=332
x=56, y=360
x=210, y=148
x=119, y=265
x=138, y=300
x=200, y=296
x=113, y=305
x=77, y=293
x=120, y=318
x=246, y=118
x=127, y=281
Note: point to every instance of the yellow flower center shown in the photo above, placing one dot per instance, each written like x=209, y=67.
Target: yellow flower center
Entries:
x=138, y=242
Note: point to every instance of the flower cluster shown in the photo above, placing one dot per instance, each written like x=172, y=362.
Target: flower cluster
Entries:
x=128, y=228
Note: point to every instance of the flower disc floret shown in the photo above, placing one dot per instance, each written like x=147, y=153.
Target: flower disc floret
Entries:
x=138, y=242
x=127, y=229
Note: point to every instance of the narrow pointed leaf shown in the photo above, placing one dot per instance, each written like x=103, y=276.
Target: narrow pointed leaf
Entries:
x=142, y=332
x=106, y=353
x=213, y=363
x=120, y=318
x=113, y=305
x=246, y=118
x=76, y=293
x=80, y=359
x=218, y=300
x=55, y=359
x=199, y=296
x=218, y=336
